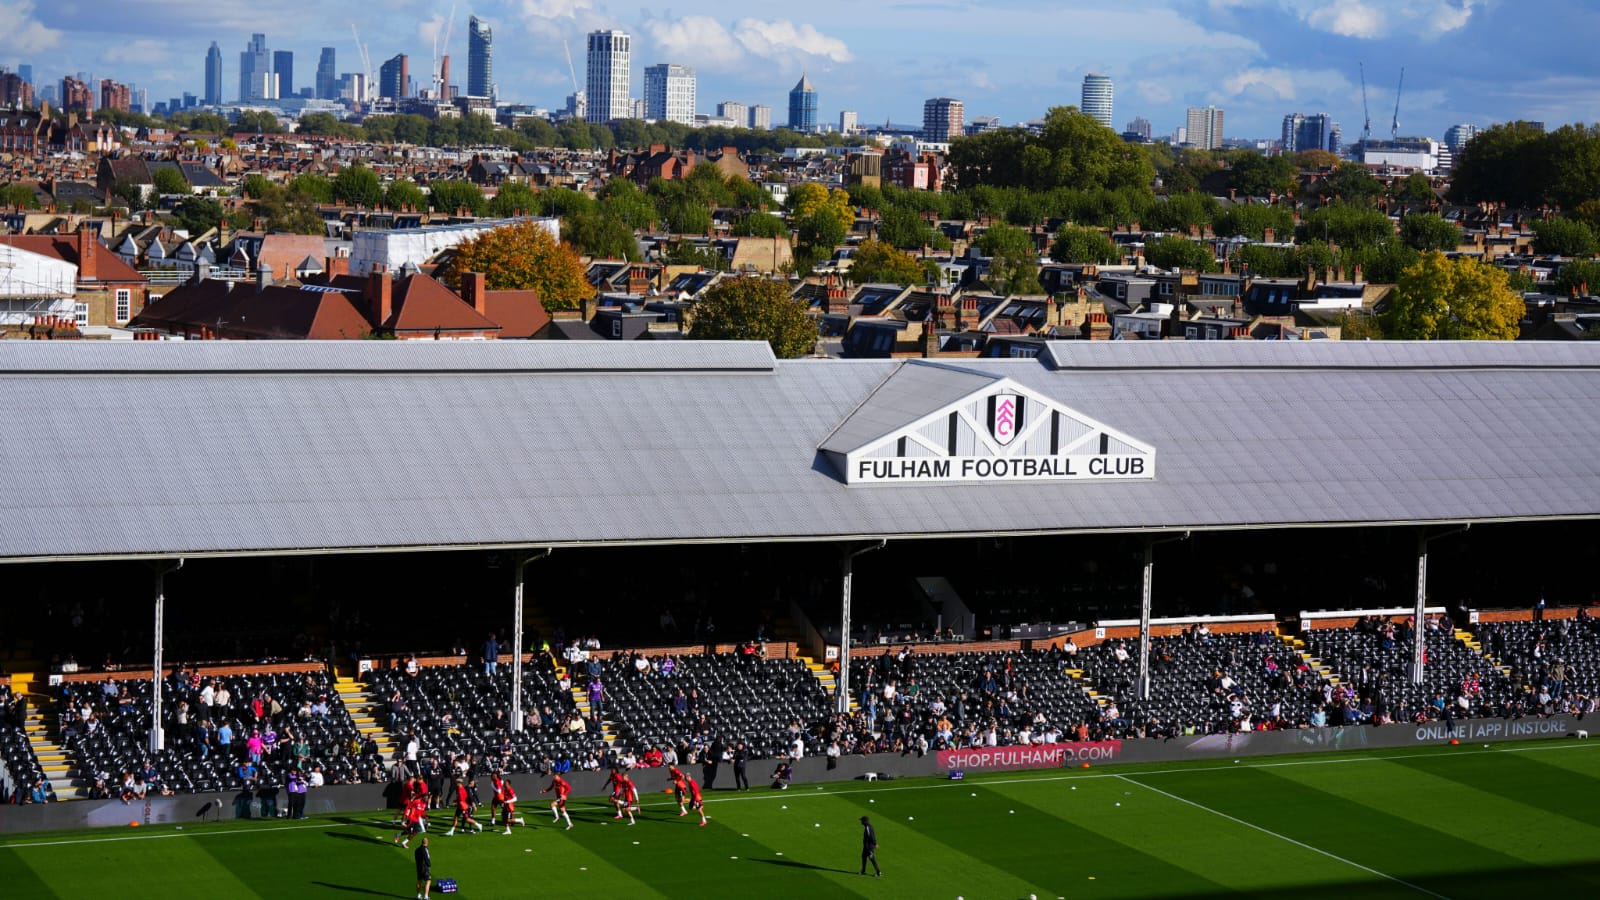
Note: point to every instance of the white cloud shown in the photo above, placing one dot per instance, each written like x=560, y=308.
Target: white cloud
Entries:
x=1353, y=19
x=781, y=37
x=555, y=9
x=142, y=52
x=700, y=41
x=23, y=33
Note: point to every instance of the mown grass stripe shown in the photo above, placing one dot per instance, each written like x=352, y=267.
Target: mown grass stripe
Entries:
x=19, y=878
x=1283, y=837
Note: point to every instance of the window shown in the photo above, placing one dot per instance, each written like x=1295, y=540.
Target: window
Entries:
x=1166, y=288
x=124, y=305
x=80, y=313
x=1191, y=332
x=616, y=328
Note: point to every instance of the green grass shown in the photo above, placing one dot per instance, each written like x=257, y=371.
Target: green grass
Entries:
x=1455, y=822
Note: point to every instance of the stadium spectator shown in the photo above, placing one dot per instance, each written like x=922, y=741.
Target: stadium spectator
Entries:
x=491, y=655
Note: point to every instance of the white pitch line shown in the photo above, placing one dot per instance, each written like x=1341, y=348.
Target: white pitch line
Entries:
x=1283, y=837
x=981, y=782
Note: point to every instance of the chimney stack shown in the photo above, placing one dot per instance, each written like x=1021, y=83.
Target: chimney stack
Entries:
x=88, y=260
x=263, y=277
x=380, y=296
x=475, y=290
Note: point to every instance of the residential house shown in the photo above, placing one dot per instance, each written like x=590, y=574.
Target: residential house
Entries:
x=108, y=291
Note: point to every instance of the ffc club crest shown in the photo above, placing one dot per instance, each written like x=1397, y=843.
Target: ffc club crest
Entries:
x=1005, y=416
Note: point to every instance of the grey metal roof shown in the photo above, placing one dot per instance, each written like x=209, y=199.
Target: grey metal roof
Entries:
x=916, y=389
x=147, y=448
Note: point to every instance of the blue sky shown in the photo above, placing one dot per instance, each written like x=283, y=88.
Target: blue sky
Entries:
x=1477, y=61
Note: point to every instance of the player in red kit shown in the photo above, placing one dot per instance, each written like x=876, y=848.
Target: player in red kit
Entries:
x=463, y=816
x=415, y=813
x=677, y=777
x=505, y=796
x=558, y=806
x=695, y=802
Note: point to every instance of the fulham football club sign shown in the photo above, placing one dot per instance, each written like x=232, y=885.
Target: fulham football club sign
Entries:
x=1002, y=432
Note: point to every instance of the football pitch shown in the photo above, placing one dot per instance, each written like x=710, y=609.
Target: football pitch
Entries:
x=1442, y=821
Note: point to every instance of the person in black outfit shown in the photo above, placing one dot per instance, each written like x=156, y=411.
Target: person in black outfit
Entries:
x=740, y=756
x=708, y=764
x=424, y=869
x=869, y=848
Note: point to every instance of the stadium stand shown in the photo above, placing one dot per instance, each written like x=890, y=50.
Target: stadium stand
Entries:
x=727, y=698
x=459, y=709
x=1008, y=690
x=20, y=769
x=1373, y=659
x=1210, y=683
x=106, y=726
x=1554, y=658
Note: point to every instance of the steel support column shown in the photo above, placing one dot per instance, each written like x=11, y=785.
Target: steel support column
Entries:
x=157, y=680
x=847, y=573
x=516, y=639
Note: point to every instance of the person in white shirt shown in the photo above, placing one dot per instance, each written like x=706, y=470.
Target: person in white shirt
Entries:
x=316, y=779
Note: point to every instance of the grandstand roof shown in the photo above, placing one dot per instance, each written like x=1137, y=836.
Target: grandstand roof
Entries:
x=162, y=449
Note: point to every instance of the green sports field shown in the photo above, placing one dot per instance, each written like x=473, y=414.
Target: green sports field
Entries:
x=1465, y=821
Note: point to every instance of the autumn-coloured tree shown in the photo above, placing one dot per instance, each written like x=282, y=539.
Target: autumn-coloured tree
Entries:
x=1438, y=298
x=755, y=309
x=876, y=262
x=519, y=257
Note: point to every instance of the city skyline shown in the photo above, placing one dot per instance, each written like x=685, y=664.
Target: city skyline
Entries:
x=1258, y=59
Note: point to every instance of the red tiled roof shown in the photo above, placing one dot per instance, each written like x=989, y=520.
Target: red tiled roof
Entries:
x=108, y=266
x=518, y=313
x=423, y=303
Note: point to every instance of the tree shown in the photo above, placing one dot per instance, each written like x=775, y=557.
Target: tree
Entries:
x=623, y=201
x=1415, y=187
x=1071, y=150
x=1352, y=183
x=1254, y=175
x=449, y=196
x=1316, y=159
x=169, y=180
x=513, y=197
x=130, y=193
x=1347, y=225
x=1581, y=275
x=1439, y=298
x=601, y=235
x=519, y=257
x=256, y=186
x=357, y=185
x=312, y=186
x=760, y=224
x=755, y=309
x=1253, y=220
x=1013, y=261
x=688, y=253
x=876, y=262
x=403, y=193
x=1083, y=245
x=1561, y=236
x=901, y=227
x=18, y=196
x=325, y=123
x=1175, y=252
x=821, y=219
x=1179, y=211
x=1427, y=231
x=197, y=215
x=258, y=121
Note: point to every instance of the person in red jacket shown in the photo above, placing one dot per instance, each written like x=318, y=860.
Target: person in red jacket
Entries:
x=505, y=797
x=463, y=816
x=558, y=806
x=695, y=801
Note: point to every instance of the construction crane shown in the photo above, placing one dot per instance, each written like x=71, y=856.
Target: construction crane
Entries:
x=1366, y=128
x=1394, y=126
x=439, y=87
x=570, y=69
x=368, y=88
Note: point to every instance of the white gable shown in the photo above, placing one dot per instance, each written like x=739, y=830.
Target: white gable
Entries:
x=1001, y=432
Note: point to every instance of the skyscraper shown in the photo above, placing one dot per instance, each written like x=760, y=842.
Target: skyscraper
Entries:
x=803, y=106
x=942, y=119
x=327, y=76
x=610, y=67
x=394, y=76
x=1308, y=132
x=1140, y=126
x=214, y=75
x=480, y=59
x=1204, y=127
x=76, y=95
x=25, y=72
x=255, y=71
x=1457, y=136
x=849, y=121
x=283, y=68
x=669, y=93
x=761, y=117
x=732, y=109
x=1098, y=94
